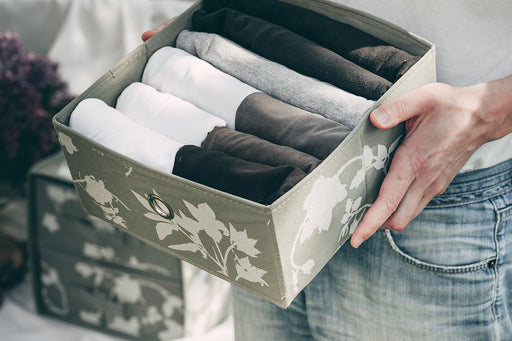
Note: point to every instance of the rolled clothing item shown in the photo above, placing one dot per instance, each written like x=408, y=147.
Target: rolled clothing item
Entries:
x=251, y=148
x=250, y=180
x=354, y=44
x=181, y=121
x=111, y=128
x=275, y=79
x=292, y=50
x=278, y=117
x=167, y=114
x=280, y=123
x=177, y=72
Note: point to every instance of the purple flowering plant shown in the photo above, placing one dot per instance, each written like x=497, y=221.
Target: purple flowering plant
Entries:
x=31, y=92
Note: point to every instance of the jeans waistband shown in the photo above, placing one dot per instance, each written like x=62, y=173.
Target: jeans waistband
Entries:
x=477, y=185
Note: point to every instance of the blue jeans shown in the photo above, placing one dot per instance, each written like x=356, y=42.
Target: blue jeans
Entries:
x=447, y=276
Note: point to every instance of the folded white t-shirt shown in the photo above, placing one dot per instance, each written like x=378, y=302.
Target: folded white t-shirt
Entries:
x=114, y=130
x=167, y=114
x=177, y=72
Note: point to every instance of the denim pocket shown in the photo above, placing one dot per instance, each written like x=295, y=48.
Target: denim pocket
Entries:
x=454, y=239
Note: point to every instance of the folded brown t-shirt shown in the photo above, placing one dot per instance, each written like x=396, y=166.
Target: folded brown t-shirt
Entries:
x=254, y=181
x=255, y=149
x=354, y=44
x=292, y=50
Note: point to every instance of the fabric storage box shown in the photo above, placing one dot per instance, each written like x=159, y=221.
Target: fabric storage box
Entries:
x=273, y=250
x=90, y=273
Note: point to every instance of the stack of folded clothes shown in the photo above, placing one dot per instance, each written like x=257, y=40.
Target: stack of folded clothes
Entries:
x=250, y=100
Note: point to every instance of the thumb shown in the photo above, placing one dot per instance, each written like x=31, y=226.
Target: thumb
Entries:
x=403, y=108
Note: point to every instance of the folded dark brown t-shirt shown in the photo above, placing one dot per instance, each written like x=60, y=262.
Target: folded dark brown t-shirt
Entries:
x=357, y=46
x=255, y=149
x=254, y=181
x=292, y=50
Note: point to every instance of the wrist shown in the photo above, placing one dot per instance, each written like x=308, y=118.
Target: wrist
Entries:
x=494, y=107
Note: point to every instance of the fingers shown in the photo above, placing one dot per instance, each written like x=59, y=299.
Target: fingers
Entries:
x=403, y=171
x=393, y=189
x=405, y=107
x=440, y=138
x=148, y=34
x=413, y=202
x=409, y=186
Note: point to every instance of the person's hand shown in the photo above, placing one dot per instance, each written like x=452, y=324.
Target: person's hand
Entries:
x=148, y=34
x=444, y=126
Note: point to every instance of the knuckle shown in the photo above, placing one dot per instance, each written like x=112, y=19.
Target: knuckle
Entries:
x=408, y=159
x=414, y=161
x=392, y=202
x=395, y=110
x=437, y=187
x=389, y=199
x=417, y=165
x=432, y=93
x=396, y=223
x=431, y=88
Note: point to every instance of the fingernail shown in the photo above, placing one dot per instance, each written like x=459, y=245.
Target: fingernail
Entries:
x=356, y=242
x=380, y=116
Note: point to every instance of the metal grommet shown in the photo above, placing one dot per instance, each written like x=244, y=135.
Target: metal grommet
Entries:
x=160, y=206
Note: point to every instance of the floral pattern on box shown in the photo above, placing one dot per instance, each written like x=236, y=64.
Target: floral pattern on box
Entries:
x=344, y=195
x=218, y=243
x=230, y=250
x=106, y=298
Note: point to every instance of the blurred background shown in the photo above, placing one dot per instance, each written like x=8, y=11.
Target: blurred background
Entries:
x=63, y=274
